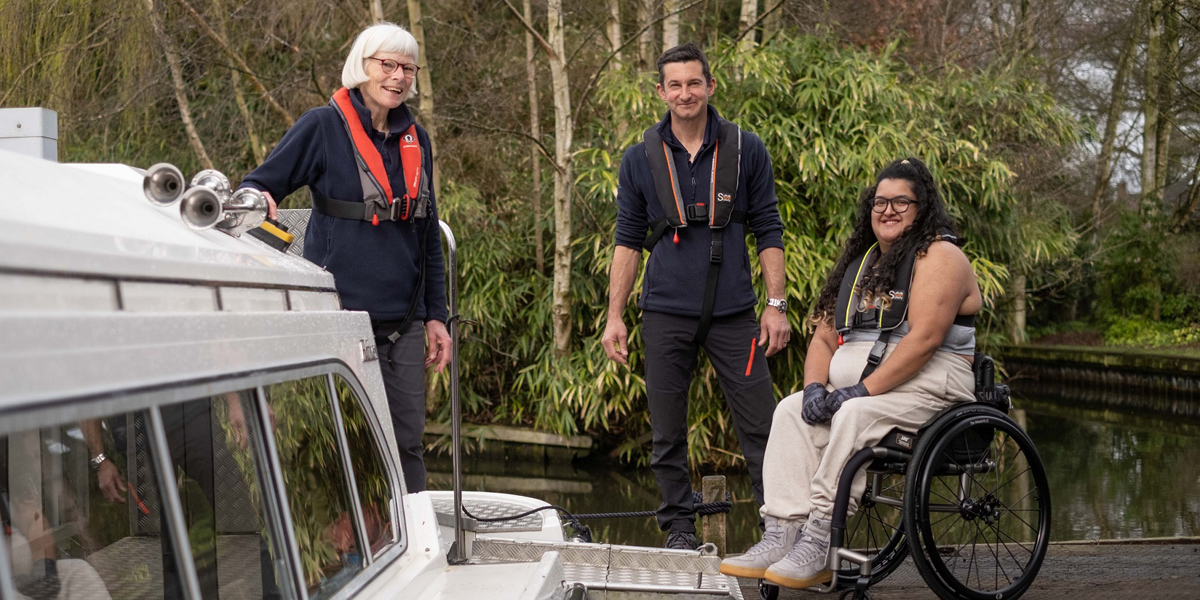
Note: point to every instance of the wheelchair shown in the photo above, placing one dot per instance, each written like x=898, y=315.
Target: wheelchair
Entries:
x=966, y=496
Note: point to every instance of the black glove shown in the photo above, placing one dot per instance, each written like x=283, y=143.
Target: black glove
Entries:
x=839, y=396
x=816, y=410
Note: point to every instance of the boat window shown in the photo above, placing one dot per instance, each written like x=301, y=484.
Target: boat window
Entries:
x=78, y=531
x=375, y=492
x=216, y=466
x=316, y=483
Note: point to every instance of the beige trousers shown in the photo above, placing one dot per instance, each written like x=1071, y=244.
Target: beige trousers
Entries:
x=803, y=462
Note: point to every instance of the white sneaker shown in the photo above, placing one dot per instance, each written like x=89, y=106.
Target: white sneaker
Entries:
x=807, y=564
x=778, y=538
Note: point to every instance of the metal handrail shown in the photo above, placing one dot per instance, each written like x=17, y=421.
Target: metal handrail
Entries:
x=458, y=550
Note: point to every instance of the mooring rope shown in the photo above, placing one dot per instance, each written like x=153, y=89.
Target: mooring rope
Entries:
x=585, y=533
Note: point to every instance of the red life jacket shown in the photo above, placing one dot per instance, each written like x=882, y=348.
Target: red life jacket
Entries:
x=378, y=195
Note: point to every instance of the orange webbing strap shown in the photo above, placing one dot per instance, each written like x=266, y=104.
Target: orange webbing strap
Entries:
x=363, y=146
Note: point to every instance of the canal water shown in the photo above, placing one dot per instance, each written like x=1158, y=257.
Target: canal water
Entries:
x=1113, y=474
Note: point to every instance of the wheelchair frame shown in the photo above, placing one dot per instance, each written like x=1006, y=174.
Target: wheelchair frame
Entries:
x=941, y=449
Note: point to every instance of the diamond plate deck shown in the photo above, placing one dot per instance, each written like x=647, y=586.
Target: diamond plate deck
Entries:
x=491, y=509
x=649, y=571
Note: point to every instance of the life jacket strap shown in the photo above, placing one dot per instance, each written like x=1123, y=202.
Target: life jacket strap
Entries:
x=716, y=251
x=660, y=226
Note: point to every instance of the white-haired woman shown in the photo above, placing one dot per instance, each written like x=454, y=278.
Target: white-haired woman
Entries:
x=374, y=220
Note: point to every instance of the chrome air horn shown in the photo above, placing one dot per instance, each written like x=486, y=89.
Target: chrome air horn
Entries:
x=210, y=202
x=163, y=184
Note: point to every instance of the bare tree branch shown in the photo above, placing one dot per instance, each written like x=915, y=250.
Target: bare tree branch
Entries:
x=287, y=117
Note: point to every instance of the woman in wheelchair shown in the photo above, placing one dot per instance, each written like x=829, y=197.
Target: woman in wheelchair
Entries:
x=893, y=344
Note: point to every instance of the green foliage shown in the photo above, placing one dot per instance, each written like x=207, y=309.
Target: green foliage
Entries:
x=831, y=116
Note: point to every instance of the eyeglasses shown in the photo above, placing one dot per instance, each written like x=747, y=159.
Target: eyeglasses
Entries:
x=390, y=66
x=899, y=203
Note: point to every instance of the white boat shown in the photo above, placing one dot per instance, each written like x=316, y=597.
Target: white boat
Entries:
x=247, y=448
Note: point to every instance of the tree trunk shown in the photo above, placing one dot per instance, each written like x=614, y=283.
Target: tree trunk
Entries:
x=1016, y=308
x=1183, y=214
x=425, y=91
x=177, y=84
x=645, y=14
x=670, y=31
x=749, y=17
x=561, y=305
x=1168, y=75
x=613, y=27
x=1150, y=194
x=376, y=10
x=1116, y=108
x=774, y=21
x=256, y=147
x=536, y=132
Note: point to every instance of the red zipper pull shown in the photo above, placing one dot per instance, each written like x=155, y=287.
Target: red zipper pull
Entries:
x=375, y=220
x=841, y=340
x=676, y=238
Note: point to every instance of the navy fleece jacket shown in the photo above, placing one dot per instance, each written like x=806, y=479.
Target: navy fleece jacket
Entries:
x=676, y=273
x=374, y=267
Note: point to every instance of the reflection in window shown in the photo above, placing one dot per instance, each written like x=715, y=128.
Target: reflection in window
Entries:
x=82, y=530
x=306, y=440
x=371, y=476
x=215, y=464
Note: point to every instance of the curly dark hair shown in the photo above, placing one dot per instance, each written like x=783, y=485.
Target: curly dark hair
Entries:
x=932, y=219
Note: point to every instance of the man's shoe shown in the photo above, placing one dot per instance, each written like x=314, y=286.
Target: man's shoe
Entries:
x=806, y=564
x=682, y=540
x=777, y=540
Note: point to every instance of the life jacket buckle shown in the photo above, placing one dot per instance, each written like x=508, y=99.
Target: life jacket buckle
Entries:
x=696, y=212
x=715, y=251
x=877, y=350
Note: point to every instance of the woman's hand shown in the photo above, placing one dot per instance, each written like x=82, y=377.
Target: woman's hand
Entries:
x=816, y=409
x=272, y=208
x=438, y=353
x=839, y=396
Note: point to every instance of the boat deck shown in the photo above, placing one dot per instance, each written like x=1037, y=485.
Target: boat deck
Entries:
x=1161, y=569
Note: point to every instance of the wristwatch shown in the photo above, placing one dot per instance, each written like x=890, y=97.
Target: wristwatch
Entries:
x=98, y=460
x=780, y=304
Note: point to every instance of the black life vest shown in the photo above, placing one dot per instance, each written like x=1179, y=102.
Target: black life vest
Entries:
x=717, y=212
x=380, y=202
x=848, y=316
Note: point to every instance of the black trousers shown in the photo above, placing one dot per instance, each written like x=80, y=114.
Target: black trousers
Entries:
x=741, y=365
x=403, y=367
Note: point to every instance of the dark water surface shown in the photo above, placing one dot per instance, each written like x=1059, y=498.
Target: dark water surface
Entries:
x=1113, y=475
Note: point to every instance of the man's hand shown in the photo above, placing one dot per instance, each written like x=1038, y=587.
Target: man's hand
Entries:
x=439, y=346
x=111, y=484
x=272, y=208
x=774, y=332
x=616, y=341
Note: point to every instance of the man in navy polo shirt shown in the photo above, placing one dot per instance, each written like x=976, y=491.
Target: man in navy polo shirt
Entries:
x=698, y=264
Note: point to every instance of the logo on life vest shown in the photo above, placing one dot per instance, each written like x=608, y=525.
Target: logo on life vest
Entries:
x=408, y=138
x=723, y=197
x=896, y=295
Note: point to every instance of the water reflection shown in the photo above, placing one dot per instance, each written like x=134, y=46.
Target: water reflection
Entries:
x=1114, y=474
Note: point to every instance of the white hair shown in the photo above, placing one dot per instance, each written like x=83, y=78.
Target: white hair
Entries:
x=380, y=37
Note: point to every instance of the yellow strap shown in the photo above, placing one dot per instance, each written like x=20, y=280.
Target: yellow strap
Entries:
x=857, y=275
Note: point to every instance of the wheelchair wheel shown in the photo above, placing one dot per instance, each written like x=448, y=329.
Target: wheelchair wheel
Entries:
x=767, y=590
x=876, y=529
x=978, y=507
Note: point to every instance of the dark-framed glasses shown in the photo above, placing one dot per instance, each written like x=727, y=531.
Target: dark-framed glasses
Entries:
x=389, y=66
x=899, y=203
